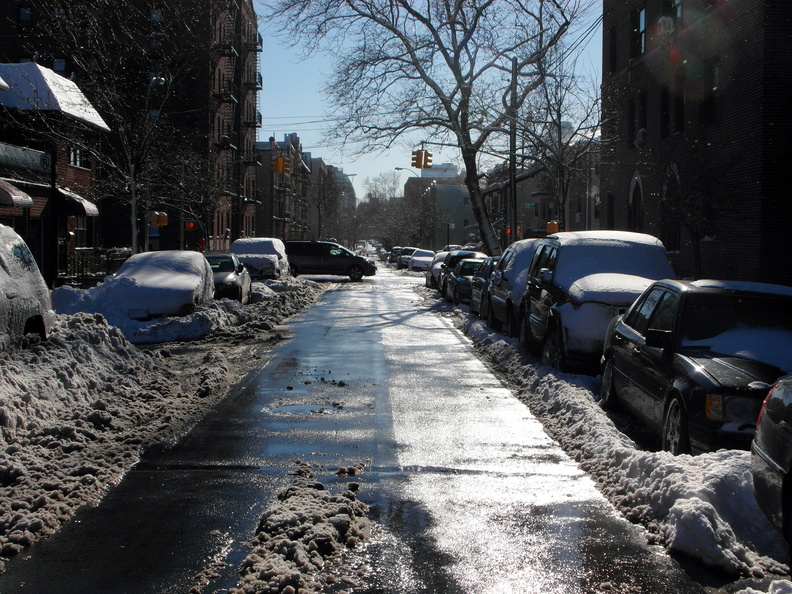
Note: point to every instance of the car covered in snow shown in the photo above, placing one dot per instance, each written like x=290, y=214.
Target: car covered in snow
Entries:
x=577, y=283
x=694, y=360
x=231, y=278
x=433, y=272
x=501, y=307
x=264, y=257
x=165, y=283
x=449, y=263
x=480, y=282
x=25, y=302
x=404, y=257
x=420, y=260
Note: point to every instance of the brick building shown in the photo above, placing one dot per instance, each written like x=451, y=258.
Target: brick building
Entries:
x=694, y=105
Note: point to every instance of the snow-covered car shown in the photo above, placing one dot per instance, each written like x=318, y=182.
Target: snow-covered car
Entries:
x=433, y=272
x=231, y=278
x=25, y=303
x=420, y=260
x=459, y=280
x=404, y=257
x=771, y=457
x=166, y=283
x=501, y=307
x=693, y=361
x=577, y=283
x=264, y=257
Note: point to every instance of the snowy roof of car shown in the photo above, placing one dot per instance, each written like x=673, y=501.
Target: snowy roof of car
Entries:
x=590, y=237
x=743, y=286
x=258, y=245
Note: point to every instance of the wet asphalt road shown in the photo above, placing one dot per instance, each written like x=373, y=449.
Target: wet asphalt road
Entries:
x=470, y=493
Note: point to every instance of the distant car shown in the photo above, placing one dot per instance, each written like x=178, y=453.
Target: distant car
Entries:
x=404, y=257
x=771, y=458
x=451, y=248
x=478, y=288
x=507, y=287
x=459, y=280
x=324, y=257
x=231, y=278
x=25, y=303
x=264, y=257
x=421, y=260
x=433, y=272
x=393, y=257
x=450, y=261
x=694, y=360
x=577, y=283
x=167, y=283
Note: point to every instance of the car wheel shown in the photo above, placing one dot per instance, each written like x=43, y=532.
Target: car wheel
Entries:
x=609, y=400
x=492, y=321
x=293, y=270
x=553, y=350
x=355, y=273
x=675, y=428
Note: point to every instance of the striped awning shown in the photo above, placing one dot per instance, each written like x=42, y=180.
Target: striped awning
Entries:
x=10, y=195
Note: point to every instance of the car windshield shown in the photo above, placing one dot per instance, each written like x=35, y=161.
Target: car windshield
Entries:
x=220, y=263
x=612, y=257
x=757, y=327
x=468, y=268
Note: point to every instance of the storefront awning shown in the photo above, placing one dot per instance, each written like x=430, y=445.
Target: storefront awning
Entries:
x=77, y=205
x=10, y=195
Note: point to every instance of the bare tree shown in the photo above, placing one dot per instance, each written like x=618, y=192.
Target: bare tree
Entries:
x=131, y=60
x=560, y=123
x=454, y=70
x=325, y=195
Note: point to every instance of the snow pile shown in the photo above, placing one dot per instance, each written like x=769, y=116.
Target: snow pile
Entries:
x=700, y=505
x=301, y=533
x=77, y=410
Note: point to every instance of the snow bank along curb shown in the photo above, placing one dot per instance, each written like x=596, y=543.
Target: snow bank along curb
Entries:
x=300, y=534
x=699, y=505
x=77, y=410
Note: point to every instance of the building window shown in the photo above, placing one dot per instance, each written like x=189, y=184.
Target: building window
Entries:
x=25, y=15
x=59, y=65
x=708, y=110
x=665, y=111
x=638, y=31
x=156, y=15
x=673, y=9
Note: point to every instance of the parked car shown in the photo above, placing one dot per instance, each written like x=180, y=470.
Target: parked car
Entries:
x=264, y=257
x=451, y=247
x=433, y=272
x=421, y=260
x=771, y=457
x=450, y=261
x=478, y=288
x=577, y=283
x=324, y=257
x=507, y=286
x=25, y=304
x=231, y=278
x=694, y=360
x=393, y=257
x=404, y=257
x=458, y=281
x=167, y=283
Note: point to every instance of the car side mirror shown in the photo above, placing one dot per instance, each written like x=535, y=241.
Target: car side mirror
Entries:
x=497, y=277
x=660, y=339
x=240, y=269
x=545, y=275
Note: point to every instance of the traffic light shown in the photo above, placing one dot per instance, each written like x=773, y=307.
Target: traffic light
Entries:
x=427, y=160
x=276, y=164
x=190, y=225
x=418, y=159
x=286, y=165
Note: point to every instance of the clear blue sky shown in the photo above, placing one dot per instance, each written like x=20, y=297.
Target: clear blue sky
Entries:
x=291, y=101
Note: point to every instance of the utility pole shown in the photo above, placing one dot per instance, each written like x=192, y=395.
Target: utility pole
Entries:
x=512, y=205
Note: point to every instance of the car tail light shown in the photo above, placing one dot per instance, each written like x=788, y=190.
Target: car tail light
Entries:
x=764, y=404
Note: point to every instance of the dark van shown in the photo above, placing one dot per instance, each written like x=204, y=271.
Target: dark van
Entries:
x=324, y=257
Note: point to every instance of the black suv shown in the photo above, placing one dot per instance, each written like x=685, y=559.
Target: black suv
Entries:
x=324, y=257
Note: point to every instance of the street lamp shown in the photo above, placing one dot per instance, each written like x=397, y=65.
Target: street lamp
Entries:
x=407, y=169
